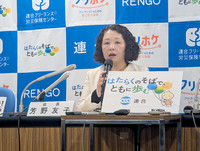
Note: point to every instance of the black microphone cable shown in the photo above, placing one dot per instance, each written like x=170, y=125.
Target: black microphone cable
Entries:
x=18, y=127
x=83, y=135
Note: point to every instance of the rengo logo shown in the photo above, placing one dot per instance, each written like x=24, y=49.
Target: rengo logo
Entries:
x=1, y=46
x=125, y=100
x=86, y=4
x=40, y=4
x=193, y=37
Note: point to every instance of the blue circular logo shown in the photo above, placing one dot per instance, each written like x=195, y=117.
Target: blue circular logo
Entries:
x=125, y=100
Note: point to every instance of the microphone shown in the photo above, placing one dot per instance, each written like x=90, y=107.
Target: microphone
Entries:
x=107, y=67
x=188, y=110
x=68, y=68
x=62, y=77
x=41, y=95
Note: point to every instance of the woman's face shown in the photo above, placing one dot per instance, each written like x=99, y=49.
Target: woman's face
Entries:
x=113, y=47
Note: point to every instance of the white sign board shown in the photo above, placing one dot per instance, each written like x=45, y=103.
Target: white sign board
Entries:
x=143, y=91
x=50, y=108
x=75, y=84
x=2, y=104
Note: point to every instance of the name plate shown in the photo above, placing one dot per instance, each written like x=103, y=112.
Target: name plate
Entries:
x=50, y=108
x=2, y=104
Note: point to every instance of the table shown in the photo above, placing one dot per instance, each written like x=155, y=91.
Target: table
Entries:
x=132, y=119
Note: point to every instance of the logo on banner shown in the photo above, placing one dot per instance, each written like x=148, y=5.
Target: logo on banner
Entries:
x=139, y=2
x=1, y=46
x=148, y=43
x=40, y=4
x=41, y=50
x=90, y=7
x=90, y=3
x=125, y=100
x=55, y=92
x=4, y=11
x=193, y=37
x=186, y=2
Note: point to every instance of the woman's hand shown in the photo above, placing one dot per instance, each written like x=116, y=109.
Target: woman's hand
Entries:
x=100, y=82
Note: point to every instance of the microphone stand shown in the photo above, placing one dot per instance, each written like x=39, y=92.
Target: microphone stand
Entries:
x=43, y=93
x=41, y=98
x=68, y=68
x=21, y=106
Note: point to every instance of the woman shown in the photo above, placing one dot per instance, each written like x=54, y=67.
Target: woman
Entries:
x=114, y=42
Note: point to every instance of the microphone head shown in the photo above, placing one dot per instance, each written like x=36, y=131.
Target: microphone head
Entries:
x=108, y=62
x=71, y=67
x=65, y=75
x=68, y=68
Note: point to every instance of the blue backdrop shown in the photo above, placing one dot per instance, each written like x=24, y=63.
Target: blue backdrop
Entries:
x=41, y=36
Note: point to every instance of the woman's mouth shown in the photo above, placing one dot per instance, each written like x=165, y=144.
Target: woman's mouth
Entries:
x=112, y=55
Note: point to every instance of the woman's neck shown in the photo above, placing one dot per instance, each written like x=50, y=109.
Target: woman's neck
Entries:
x=119, y=67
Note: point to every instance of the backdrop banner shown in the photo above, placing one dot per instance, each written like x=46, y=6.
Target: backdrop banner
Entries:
x=41, y=36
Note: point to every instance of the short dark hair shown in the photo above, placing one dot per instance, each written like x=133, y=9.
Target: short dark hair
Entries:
x=132, y=49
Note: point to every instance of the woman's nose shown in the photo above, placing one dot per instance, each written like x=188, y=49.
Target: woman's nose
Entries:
x=112, y=46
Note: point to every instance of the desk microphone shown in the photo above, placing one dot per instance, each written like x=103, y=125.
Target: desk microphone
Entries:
x=43, y=93
x=68, y=68
x=62, y=77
